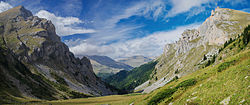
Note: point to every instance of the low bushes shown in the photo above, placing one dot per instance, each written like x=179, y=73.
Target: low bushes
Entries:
x=161, y=96
x=186, y=83
x=169, y=92
x=225, y=65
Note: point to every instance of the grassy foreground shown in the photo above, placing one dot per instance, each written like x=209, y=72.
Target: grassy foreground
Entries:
x=105, y=100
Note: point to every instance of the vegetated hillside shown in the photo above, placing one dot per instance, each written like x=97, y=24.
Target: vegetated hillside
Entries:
x=104, y=66
x=135, y=61
x=226, y=81
x=35, y=63
x=197, y=48
x=128, y=80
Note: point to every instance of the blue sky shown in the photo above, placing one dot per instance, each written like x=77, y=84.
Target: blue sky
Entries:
x=122, y=28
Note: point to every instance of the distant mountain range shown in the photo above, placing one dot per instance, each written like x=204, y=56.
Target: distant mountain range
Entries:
x=135, y=61
x=104, y=66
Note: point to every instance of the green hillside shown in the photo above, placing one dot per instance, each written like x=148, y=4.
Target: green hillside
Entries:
x=226, y=81
x=128, y=80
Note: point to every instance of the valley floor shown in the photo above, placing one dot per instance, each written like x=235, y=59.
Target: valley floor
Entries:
x=105, y=100
x=211, y=87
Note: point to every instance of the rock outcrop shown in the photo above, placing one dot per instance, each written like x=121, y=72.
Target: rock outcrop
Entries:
x=34, y=42
x=186, y=55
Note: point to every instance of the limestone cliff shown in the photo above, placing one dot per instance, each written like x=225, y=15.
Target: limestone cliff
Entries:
x=186, y=55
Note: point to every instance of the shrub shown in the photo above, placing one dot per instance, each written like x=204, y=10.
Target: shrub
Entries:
x=204, y=58
x=176, y=71
x=186, y=83
x=208, y=63
x=59, y=79
x=225, y=65
x=78, y=95
x=220, y=58
x=169, y=92
x=175, y=78
x=246, y=35
x=161, y=96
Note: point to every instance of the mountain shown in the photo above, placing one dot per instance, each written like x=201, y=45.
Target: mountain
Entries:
x=128, y=80
x=35, y=63
x=197, y=48
x=135, y=61
x=226, y=82
x=104, y=66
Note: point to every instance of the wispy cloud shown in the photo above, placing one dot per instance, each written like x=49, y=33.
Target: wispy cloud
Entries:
x=108, y=30
x=181, y=6
x=151, y=45
x=64, y=25
x=4, y=6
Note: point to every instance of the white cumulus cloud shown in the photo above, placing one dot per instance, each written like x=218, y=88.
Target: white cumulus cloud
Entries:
x=151, y=45
x=64, y=25
x=4, y=6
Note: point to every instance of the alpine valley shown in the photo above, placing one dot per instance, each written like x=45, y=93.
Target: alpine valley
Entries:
x=209, y=65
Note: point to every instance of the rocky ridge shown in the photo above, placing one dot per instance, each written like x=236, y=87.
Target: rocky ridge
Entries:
x=186, y=55
x=34, y=42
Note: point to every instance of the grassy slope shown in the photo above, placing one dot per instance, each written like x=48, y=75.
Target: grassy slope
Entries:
x=128, y=80
x=113, y=100
x=211, y=86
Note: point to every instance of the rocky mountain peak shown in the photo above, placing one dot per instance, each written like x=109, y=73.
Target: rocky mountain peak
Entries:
x=185, y=55
x=15, y=12
x=34, y=42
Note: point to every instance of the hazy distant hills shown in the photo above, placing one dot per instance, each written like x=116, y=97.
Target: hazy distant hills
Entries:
x=105, y=66
x=135, y=61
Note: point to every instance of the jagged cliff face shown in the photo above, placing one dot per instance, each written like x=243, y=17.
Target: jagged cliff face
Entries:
x=186, y=55
x=34, y=43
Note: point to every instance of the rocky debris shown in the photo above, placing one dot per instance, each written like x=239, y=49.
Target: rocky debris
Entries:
x=225, y=101
x=242, y=101
x=246, y=77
